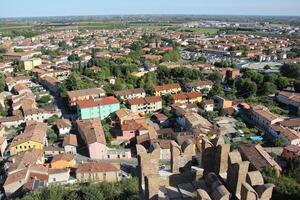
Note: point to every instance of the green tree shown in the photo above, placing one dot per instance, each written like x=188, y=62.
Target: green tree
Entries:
x=297, y=86
x=282, y=82
x=51, y=135
x=246, y=88
x=269, y=88
x=44, y=99
x=215, y=77
x=291, y=70
x=171, y=56
x=217, y=90
x=3, y=50
x=2, y=83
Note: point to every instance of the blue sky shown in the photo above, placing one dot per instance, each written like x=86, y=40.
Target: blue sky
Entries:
x=27, y=8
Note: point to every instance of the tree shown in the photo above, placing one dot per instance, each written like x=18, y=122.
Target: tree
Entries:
x=3, y=50
x=215, y=77
x=52, y=119
x=279, y=142
x=17, y=50
x=217, y=90
x=2, y=83
x=297, y=86
x=73, y=58
x=246, y=88
x=171, y=56
x=291, y=70
x=51, y=135
x=44, y=99
x=282, y=82
x=269, y=88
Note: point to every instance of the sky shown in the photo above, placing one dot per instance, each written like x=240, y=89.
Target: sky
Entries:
x=37, y=8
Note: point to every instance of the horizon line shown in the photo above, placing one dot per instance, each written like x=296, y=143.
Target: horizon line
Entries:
x=124, y=15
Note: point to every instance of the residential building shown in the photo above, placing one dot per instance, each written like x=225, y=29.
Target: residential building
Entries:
x=290, y=99
x=62, y=161
x=85, y=94
x=125, y=114
x=92, y=133
x=24, y=160
x=292, y=124
x=222, y=103
x=258, y=157
x=70, y=143
x=263, y=117
x=185, y=98
x=290, y=136
x=98, y=172
x=51, y=151
x=135, y=93
x=291, y=152
x=97, y=108
x=59, y=176
x=207, y=105
x=146, y=105
x=51, y=83
x=29, y=64
x=190, y=120
x=162, y=90
x=34, y=136
x=199, y=86
x=63, y=126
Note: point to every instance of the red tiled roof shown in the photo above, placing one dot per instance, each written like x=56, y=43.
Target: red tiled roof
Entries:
x=144, y=100
x=97, y=102
x=166, y=87
x=97, y=167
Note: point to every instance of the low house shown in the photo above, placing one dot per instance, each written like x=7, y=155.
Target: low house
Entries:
x=258, y=157
x=97, y=108
x=51, y=83
x=125, y=114
x=63, y=126
x=85, y=94
x=70, y=143
x=62, y=161
x=222, y=103
x=165, y=148
x=29, y=64
x=34, y=136
x=15, y=181
x=263, y=117
x=53, y=151
x=290, y=99
x=207, y=105
x=290, y=136
x=98, y=172
x=159, y=118
x=162, y=90
x=59, y=176
x=145, y=105
x=24, y=160
x=199, y=86
x=38, y=114
x=92, y=133
x=132, y=128
x=185, y=98
x=189, y=120
x=135, y=93
x=292, y=124
x=291, y=152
